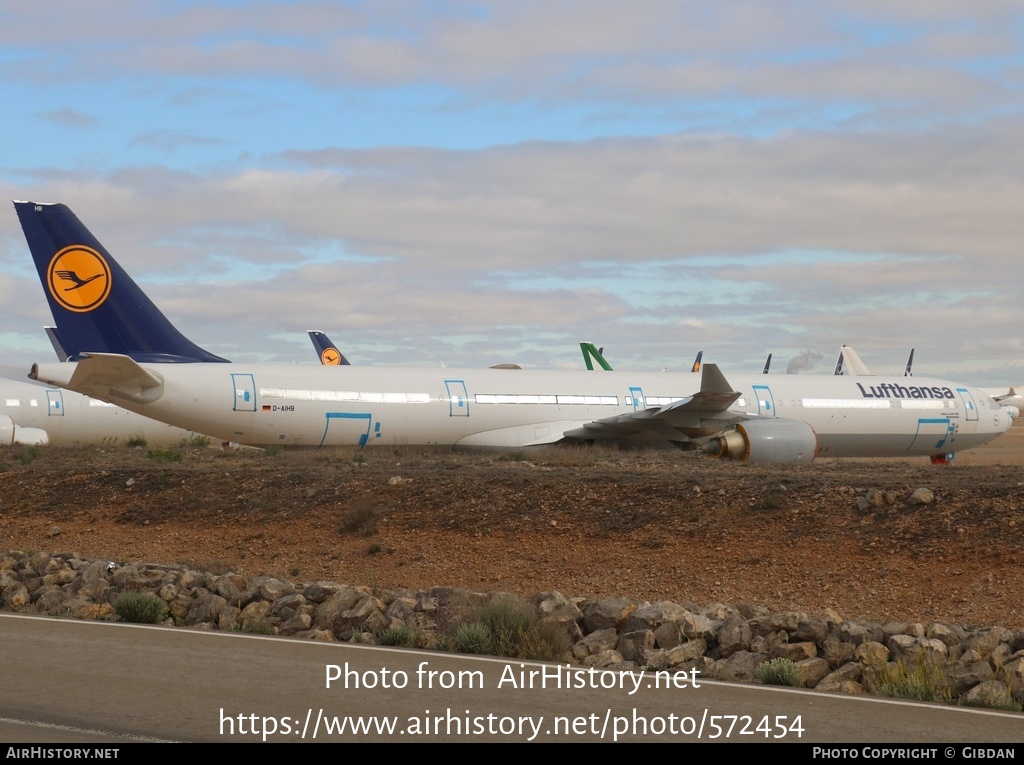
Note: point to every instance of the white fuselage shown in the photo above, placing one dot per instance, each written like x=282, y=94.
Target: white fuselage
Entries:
x=349, y=405
x=71, y=419
x=1010, y=396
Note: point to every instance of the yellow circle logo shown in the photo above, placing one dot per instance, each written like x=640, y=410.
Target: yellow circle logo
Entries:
x=79, y=278
x=330, y=357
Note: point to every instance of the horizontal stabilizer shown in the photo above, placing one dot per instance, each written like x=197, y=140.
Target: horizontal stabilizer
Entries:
x=58, y=347
x=104, y=375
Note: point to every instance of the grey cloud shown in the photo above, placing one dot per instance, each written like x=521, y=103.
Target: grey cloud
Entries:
x=915, y=240
x=547, y=52
x=68, y=117
x=173, y=139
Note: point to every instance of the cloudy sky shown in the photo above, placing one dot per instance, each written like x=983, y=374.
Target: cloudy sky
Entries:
x=471, y=183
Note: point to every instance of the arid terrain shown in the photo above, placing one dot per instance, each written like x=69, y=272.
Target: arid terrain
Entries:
x=588, y=522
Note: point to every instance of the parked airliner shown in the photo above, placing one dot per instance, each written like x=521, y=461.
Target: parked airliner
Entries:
x=35, y=414
x=125, y=351
x=1010, y=396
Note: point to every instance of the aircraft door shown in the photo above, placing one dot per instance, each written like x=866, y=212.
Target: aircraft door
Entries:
x=932, y=432
x=54, y=403
x=765, y=400
x=637, y=394
x=458, y=400
x=245, y=392
x=970, y=407
x=348, y=429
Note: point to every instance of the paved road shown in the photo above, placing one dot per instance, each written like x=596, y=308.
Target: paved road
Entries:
x=72, y=681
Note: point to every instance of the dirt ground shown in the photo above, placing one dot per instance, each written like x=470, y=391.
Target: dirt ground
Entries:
x=588, y=522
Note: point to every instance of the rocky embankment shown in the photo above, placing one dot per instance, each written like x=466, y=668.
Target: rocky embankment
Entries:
x=829, y=653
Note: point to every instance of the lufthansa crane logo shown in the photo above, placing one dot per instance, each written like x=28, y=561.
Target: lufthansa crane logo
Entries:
x=78, y=278
x=330, y=357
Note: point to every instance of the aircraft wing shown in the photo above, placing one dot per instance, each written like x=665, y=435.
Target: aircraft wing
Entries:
x=675, y=422
x=105, y=375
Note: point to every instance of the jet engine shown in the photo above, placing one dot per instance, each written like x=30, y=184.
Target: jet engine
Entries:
x=14, y=434
x=766, y=441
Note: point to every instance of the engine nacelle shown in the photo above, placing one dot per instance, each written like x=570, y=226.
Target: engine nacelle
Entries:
x=767, y=441
x=14, y=434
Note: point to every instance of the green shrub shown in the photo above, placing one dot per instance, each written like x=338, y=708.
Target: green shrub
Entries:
x=135, y=442
x=922, y=679
x=473, y=637
x=256, y=625
x=778, y=672
x=139, y=608
x=361, y=517
x=401, y=636
x=28, y=454
x=509, y=627
x=165, y=455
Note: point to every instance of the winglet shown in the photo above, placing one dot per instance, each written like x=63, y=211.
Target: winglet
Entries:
x=96, y=305
x=713, y=382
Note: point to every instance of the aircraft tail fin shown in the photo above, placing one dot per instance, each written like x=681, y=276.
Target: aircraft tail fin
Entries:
x=849, y=363
x=910, y=364
x=767, y=364
x=327, y=351
x=590, y=351
x=853, y=362
x=696, y=362
x=98, y=308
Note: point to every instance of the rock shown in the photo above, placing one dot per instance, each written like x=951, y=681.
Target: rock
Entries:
x=630, y=644
x=607, y=613
x=596, y=642
x=733, y=636
x=921, y=496
x=739, y=666
x=991, y=693
x=812, y=671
